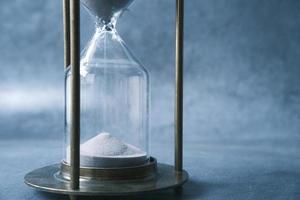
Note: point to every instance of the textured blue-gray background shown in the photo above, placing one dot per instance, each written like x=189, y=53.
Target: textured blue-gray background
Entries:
x=242, y=93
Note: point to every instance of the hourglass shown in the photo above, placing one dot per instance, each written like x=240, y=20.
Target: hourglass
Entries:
x=107, y=129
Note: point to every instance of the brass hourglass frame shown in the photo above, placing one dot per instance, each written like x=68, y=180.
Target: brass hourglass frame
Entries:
x=163, y=176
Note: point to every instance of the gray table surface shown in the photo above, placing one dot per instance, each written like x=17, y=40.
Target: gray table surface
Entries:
x=230, y=170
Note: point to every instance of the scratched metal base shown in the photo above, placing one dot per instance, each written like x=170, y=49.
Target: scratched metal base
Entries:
x=48, y=179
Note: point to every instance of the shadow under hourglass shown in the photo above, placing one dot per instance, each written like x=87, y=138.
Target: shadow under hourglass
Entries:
x=191, y=190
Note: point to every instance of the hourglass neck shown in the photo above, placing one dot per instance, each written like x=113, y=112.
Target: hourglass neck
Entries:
x=106, y=25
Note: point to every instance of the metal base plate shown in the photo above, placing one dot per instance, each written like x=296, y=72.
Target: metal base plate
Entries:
x=48, y=179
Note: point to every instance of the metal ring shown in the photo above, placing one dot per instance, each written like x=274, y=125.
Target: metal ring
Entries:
x=123, y=173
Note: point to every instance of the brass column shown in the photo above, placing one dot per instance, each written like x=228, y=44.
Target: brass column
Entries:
x=66, y=17
x=75, y=92
x=179, y=86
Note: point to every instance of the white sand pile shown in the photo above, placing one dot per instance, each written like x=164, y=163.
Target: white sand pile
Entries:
x=105, y=145
x=105, y=150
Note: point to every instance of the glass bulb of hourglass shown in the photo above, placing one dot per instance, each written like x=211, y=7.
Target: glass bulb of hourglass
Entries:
x=105, y=10
x=114, y=95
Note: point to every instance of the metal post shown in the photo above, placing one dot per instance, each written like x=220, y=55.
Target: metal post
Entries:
x=179, y=85
x=75, y=92
x=66, y=16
